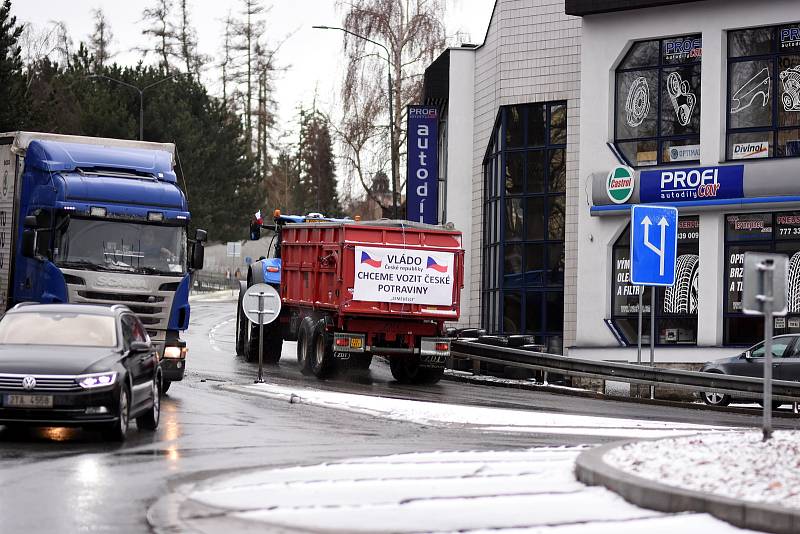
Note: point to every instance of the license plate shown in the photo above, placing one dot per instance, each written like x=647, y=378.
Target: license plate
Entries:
x=28, y=401
x=356, y=342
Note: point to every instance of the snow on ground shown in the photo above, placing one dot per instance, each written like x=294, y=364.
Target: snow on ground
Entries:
x=529, y=382
x=527, y=491
x=490, y=419
x=737, y=464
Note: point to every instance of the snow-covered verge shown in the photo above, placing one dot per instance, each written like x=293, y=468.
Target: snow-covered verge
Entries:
x=738, y=465
x=522, y=491
x=478, y=417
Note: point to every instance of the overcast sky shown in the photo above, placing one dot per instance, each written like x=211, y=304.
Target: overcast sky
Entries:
x=312, y=58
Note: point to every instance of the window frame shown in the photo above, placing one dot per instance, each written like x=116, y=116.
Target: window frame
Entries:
x=774, y=129
x=494, y=288
x=659, y=139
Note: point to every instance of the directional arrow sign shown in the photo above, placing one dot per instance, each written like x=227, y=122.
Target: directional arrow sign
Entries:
x=653, y=250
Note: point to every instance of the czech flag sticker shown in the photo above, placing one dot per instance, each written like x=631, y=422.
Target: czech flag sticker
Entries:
x=369, y=260
x=435, y=266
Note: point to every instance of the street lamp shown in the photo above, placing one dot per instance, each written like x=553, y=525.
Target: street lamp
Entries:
x=139, y=90
x=391, y=108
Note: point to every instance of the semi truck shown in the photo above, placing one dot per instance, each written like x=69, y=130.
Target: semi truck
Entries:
x=351, y=290
x=98, y=221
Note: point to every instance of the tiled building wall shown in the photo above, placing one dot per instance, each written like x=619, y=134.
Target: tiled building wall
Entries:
x=531, y=54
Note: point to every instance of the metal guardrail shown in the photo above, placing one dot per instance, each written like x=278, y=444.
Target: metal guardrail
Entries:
x=740, y=386
x=205, y=282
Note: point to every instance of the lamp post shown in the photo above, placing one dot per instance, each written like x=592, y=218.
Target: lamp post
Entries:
x=392, y=148
x=139, y=90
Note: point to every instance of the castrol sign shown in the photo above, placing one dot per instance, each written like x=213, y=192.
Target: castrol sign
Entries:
x=619, y=184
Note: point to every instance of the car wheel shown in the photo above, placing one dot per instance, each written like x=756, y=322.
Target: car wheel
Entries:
x=149, y=421
x=716, y=399
x=305, y=333
x=321, y=352
x=118, y=430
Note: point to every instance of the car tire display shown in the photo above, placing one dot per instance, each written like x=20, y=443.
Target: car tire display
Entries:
x=681, y=297
x=305, y=334
x=118, y=430
x=793, y=284
x=149, y=420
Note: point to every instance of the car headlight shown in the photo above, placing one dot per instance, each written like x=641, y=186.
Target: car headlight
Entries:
x=97, y=380
x=175, y=352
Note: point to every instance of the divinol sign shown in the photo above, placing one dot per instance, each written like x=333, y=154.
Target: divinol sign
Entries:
x=422, y=184
x=698, y=183
x=619, y=184
x=405, y=276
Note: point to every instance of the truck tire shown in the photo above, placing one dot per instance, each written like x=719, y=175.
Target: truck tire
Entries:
x=251, y=344
x=241, y=332
x=681, y=297
x=305, y=335
x=321, y=352
x=406, y=370
x=273, y=345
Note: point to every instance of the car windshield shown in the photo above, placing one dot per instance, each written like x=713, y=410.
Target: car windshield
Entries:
x=64, y=329
x=121, y=246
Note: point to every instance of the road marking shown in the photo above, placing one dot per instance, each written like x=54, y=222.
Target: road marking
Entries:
x=212, y=335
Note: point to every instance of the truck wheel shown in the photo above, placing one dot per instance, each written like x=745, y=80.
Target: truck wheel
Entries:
x=406, y=370
x=321, y=352
x=251, y=345
x=241, y=332
x=165, y=386
x=305, y=335
x=273, y=345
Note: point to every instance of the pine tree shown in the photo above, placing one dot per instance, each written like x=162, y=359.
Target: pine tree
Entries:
x=12, y=86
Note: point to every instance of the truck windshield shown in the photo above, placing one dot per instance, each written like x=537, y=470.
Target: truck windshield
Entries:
x=121, y=246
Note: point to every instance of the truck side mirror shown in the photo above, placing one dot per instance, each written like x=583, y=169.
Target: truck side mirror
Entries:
x=29, y=240
x=200, y=235
x=198, y=255
x=255, y=230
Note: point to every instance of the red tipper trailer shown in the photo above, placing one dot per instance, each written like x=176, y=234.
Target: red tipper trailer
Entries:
x=353, y=289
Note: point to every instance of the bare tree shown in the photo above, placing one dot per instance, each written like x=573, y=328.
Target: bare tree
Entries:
x=249, y=30
x=227, y=58
x=413, y=32
x=100, y=39
x=192, y=59
x=162, y=30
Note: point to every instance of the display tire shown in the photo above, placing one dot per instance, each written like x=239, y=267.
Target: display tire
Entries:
x=118, y=430
x=322, y=364
x=150, y=419
x=793, y=286
x=305, y=335
x=681, y=297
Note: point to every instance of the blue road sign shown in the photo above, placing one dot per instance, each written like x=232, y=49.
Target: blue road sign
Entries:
x=654, y=245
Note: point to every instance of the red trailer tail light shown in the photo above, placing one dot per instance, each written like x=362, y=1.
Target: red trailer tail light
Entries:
x=443, y=347
x=342, y=342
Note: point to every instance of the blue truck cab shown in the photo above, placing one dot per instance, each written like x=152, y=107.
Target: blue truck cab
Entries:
x=98, y=221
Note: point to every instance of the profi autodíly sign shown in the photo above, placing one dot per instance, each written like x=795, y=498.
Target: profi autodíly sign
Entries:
x=261, y=304
x=654, y=245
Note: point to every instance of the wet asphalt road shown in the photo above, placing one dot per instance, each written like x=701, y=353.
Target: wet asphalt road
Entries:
x=68, y=480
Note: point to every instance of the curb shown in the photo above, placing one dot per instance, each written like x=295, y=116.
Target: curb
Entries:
x=591, y=469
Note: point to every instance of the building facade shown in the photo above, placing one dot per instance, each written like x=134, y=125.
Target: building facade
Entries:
x=694, y=104
x=509, y=144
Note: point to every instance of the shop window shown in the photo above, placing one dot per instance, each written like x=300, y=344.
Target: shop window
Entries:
x=657, y=116
x=759, y=232
x=676, y=306
x=764, y=93
x=524, y=215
